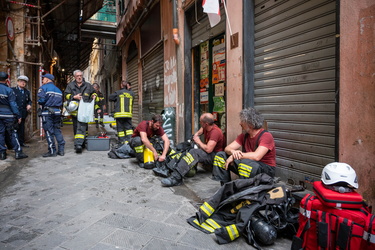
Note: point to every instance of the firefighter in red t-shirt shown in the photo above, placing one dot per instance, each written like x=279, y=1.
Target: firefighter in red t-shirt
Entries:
x=214, y=142
x=258, y=154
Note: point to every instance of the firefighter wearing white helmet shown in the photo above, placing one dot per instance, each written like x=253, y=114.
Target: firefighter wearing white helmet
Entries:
x=339, y=174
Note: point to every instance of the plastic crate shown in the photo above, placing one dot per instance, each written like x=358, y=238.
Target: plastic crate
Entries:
x=97, y=144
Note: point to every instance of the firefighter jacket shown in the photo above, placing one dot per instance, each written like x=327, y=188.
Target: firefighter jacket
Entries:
x=229, y=210
x=100, y=103
x=51, y=99
x=8, y=105
x=123, y=99
x=86, y=90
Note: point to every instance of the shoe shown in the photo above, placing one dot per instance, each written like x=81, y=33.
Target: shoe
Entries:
x=48, y=154
x=170, y=182
x=20, y=155
x=61, y=153
x=102, y=124
x=141, y=164
x=78, y=149
x=3, y=155
x=161, y=170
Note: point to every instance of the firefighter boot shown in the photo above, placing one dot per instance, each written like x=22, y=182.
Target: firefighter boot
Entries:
x=161, y=169
x=20, y=155
x=174, y=180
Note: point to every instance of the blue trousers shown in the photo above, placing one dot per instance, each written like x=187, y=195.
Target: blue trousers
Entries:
x=7, y=124
x=51, y=126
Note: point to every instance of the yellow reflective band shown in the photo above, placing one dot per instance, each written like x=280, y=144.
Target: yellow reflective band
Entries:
x=188, y=158
x=207, y=209
x=219, y=162
x=129, y=132
x=123, y=115
x=68, y=96
x=232, y=232
x=204, y=226
x=79, y=136
x=121, y=134
x=244, y=170
x=212, y=223
x=139, y=149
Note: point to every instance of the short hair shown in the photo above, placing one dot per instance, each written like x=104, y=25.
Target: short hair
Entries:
x=96, y=85
x=252, y=117
x=77, y=71
x=157, y=118
x=208, y=118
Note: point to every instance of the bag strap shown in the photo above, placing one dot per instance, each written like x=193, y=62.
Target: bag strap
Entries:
x=256, y=143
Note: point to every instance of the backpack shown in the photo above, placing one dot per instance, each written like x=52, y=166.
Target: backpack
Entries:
x=322, y=226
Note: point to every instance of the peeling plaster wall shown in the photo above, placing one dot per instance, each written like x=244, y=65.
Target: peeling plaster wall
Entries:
x=357, y=92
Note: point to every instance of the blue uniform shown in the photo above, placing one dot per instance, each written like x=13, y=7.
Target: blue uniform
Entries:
x=9, y=114
x=51, y=98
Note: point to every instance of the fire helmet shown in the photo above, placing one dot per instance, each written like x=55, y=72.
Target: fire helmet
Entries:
x=72, y=106
x=340, y=174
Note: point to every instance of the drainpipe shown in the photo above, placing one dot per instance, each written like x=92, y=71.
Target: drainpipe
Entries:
x=175, y=27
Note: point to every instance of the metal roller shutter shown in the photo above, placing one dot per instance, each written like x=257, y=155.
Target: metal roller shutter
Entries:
x=294, y=88
x=153, y=82
x=133, y=79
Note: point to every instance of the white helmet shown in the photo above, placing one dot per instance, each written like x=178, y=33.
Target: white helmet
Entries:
x=338, y=172
x=23, y=78
x=72, y=106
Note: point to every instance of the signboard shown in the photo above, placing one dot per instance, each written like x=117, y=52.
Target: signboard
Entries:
x=9, y=28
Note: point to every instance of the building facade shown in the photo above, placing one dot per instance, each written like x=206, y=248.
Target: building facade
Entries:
x=307, y=66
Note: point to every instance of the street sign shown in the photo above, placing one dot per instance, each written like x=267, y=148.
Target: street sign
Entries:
x=9, y=28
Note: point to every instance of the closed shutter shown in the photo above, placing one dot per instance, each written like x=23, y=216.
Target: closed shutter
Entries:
x=201, y=31
x=294, y=88
x=153, y=82
x=133, y=79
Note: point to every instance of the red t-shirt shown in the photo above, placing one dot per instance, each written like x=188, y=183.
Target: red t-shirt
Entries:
x=144, y=127
x=266, y=140
x=215, y=134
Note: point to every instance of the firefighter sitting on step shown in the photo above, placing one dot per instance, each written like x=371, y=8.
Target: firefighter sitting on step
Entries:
x=258, y=153
x=123, y=99
x=214, y=142
x=143, y=141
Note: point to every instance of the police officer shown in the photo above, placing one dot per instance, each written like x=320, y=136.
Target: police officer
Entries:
x=51, y=99
x=23, y=101
x=123, y=99
x=75, y=91
x=9, y=115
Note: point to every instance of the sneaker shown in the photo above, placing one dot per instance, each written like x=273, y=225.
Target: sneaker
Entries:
x=78, y=149
x=49, y=154
x=170, y=182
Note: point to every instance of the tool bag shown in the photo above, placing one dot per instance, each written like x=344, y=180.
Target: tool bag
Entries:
x=333, y=198
x=325, y=227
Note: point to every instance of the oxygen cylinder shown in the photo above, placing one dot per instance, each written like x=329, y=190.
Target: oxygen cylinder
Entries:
x=148, y=158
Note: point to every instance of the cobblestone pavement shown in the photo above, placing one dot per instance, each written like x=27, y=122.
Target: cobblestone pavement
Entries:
x=89, y=201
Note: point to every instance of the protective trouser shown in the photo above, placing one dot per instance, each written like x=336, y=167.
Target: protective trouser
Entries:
x=124, y=129
x=51, y=126
x=190, y=159
x=80, y=135
x=98, y=116
x=7, y=124
x=137, y=145
x=244, y=168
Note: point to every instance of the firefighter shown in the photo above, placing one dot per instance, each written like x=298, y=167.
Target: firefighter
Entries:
x=51, y=100
x=9, y=118
x=123, y=99
x=258, y=154
x=144, y=137
x=214, y=142
x=75, y=91
x=100, y=106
